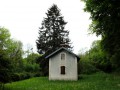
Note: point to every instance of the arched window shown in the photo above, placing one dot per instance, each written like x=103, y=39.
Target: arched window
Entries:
x=62, y=56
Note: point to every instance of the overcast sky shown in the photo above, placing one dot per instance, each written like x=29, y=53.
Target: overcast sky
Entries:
x=24, y=17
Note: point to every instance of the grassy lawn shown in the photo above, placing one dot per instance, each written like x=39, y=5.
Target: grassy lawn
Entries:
x=97, y=81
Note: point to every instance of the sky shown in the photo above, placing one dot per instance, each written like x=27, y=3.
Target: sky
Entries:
x=24, y=17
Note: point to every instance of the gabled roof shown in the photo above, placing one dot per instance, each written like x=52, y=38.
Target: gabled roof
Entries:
x=60, y=49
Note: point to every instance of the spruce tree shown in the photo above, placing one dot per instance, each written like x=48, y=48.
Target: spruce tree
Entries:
x=52, y=33
x=52, y=36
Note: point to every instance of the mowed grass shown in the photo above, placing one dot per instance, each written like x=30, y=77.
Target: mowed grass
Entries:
x=97, y=81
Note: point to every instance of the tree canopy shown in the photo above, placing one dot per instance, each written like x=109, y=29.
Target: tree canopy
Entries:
x=105, y=15
x=52, y=33
x=5, y=63
x=10, y=55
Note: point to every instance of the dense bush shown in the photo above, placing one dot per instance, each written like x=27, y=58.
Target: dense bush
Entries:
x=20, y=76
x=24, y=75
x=1, y=86
x=32, y=67
x=96, y=57
x=85, y=67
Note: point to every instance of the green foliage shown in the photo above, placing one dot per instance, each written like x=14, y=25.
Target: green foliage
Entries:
x=32, y=67
x=5, y=69
x=52, y=35
x=1, y=86
x=15, y=53
x=5, y=62
x=20, y=76
x=52, y=32
x=31, y=58
x=30, y=64
x=95, y=58
x=12, y=65
x=4, y=38
x=11, y=61
x=12, y=48
x=115, y=61
x=105, y=15
x=85, y=67
x=96, y=81
x=98, y=58
x=23, y=75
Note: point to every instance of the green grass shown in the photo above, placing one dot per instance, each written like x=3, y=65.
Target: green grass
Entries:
x=97, y=81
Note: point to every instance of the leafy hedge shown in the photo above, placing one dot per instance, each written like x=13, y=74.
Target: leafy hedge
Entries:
x=23, y=75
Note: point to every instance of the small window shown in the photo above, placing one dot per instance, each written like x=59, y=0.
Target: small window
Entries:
x=62, y=56
x=62, y=69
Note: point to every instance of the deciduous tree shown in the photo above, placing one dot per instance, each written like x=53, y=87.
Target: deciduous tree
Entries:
x=5, y=64
x=105, y=15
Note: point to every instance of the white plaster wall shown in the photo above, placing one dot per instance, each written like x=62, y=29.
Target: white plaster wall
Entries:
x=70, y=64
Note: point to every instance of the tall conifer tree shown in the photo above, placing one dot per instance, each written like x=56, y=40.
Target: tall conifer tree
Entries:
x=52, y=34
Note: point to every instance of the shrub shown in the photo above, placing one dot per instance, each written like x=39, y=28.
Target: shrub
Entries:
x=15, y=77
x=85, y=67
x=32, y=67
x=20, y=76
x=1, y=86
